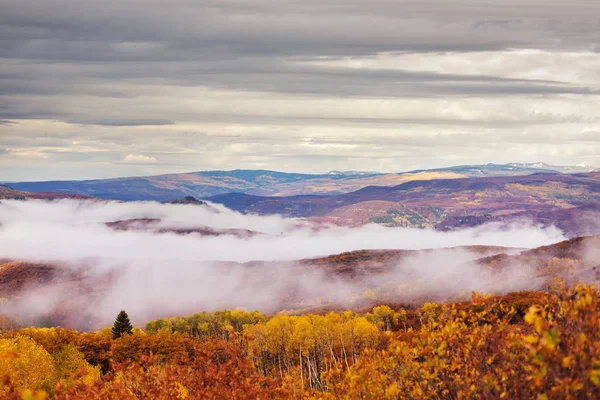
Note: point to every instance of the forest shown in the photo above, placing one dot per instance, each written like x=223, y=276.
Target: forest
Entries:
x=540, y=345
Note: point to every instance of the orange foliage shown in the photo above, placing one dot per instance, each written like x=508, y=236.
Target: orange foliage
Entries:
x=482, y=353
x=543, y=345
x=203, y=376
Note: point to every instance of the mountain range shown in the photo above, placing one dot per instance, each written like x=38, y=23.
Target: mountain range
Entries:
x=443, y=199
x=270, y=183
x=569, y=201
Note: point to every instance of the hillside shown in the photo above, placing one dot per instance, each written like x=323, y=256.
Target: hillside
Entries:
x=367, y=276
x=268, y=183
x=154, y=225
x=518, y=345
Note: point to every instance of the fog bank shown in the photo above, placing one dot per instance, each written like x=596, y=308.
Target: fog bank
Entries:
x=153, y=274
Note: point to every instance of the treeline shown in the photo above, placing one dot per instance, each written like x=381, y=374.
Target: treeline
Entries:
x=282, y=345
x=543, y=345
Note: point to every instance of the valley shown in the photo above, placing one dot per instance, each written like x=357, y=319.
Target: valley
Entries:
x=292, y=285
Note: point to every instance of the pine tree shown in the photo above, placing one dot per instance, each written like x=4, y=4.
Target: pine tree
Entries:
x=122, y=325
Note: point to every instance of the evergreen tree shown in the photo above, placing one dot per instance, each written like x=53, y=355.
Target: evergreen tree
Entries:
x=122, y=325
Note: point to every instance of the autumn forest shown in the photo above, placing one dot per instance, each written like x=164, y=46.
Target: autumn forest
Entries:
x=521, y=345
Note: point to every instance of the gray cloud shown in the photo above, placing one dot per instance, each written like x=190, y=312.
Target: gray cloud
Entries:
x=272, y=71
x=124, y=122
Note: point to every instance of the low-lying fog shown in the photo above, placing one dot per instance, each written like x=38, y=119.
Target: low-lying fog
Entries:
x=163, y=273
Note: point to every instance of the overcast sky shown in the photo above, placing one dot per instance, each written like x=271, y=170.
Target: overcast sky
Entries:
x=106, y=88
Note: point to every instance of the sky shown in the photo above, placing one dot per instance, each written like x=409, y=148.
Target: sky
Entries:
x=109, y=88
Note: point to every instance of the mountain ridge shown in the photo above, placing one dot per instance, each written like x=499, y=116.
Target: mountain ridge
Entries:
x=203, y=184
x=447, y=204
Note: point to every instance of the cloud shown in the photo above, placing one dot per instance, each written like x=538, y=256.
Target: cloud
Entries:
x=124, y=122
x=139, y=158
x=155, y=274
x=285, y=241
x=279, y=68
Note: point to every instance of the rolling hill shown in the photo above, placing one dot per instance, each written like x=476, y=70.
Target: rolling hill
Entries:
x=571, y=201
x=386, y=274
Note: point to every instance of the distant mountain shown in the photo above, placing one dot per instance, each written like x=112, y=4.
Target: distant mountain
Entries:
x=176, y=186
x=511, y=169
x=581, y=168
x=8, y=193
x=569, y=201
x=187, y=200
x=269, y=183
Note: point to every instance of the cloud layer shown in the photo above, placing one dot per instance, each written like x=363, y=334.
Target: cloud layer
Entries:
x=297, y=85
x=46, y=231
x=164, y=273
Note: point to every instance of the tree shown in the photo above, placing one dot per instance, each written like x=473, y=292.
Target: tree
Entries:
x=385, y=317
x=122, y=325
x=25, y=364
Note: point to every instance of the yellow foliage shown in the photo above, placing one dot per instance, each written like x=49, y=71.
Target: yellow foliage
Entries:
x=547, y=347
x=71, y=367
x=483, y=352
x=29, y=366
x=29, y=394
x=26, y=364
x=309, y=344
